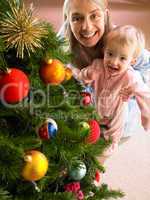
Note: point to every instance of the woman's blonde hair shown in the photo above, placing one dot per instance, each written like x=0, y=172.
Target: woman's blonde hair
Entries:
x=80, y=56
x=127, y=35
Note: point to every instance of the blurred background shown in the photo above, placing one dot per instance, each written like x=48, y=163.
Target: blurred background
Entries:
x=135, y=12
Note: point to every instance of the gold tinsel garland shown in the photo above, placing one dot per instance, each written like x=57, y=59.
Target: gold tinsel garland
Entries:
x=20, y=30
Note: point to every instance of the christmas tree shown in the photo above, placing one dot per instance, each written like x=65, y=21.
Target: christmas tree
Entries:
x=49, y=134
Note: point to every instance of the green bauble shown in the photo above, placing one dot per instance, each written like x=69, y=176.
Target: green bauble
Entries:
x=78, y=172
x=84, y=128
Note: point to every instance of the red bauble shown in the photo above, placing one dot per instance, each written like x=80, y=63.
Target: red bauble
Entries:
x=14, y=86
x=86, y=100
x=97, y=176
x=94, y=134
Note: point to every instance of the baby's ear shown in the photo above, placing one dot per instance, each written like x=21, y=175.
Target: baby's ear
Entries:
x=133, y=61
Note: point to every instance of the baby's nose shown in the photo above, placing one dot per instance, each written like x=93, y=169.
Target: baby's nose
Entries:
x=114, y=61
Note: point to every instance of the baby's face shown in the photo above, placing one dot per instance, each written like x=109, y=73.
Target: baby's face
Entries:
x=117, y=57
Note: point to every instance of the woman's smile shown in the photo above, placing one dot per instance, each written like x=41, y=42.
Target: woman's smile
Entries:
x=89, y=39
x=87, y=34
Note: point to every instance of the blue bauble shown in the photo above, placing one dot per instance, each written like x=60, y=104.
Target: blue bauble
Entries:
x=78, y=172
x=48, y=129
x=52, y=127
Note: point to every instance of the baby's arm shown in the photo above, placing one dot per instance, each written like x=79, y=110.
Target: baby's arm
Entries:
x=88, y=74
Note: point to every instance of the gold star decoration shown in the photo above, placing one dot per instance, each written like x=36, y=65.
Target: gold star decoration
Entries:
x=20, y=30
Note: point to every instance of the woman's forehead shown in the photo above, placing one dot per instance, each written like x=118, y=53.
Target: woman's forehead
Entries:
x=83, y=6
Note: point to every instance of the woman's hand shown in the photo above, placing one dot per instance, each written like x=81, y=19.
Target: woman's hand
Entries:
x=126, y=93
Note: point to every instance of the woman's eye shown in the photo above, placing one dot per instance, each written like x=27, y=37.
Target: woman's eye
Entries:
x=95, y=16
x=76, y=18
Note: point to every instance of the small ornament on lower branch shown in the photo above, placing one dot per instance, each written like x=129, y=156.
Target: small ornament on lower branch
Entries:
x=84, y=128
x=86, y=98
x=74, y=187
x=78, y=171
x=68, y=74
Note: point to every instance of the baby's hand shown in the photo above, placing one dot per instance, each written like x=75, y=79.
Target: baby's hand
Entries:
x=126, y=93
x=104, y=121
x=75, y=72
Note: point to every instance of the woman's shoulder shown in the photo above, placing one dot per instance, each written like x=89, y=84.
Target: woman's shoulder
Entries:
x=143, y=65
x=143, y=62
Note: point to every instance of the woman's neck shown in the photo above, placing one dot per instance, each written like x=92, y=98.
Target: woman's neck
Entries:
x=94, y=52
x=84, y=56
x=91, y=50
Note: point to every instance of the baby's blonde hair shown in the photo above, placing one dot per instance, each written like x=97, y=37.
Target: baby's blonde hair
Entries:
x=127, y=35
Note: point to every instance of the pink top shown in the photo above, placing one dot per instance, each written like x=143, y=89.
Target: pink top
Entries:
x=109, y=104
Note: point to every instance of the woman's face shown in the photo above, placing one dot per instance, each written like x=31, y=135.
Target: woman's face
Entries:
x=86, y=22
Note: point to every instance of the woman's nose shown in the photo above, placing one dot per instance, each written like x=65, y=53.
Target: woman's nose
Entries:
x=87, y=24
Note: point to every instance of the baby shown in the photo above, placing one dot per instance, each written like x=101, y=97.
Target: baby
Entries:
x=114, y=74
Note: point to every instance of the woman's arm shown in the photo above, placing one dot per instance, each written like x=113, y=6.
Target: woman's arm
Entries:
x=142, y=96
x=143, y=65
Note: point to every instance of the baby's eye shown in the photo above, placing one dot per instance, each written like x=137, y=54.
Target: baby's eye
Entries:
x=109, y=54
x=123, y=58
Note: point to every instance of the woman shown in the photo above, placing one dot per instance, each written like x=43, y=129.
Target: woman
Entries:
x=86, y=23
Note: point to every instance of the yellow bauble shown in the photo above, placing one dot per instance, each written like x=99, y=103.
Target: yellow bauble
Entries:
x=68, y=74
x=36, y=166
x=52, y=72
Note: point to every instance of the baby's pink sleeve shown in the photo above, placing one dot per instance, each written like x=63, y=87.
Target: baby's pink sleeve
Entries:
x=88, y=74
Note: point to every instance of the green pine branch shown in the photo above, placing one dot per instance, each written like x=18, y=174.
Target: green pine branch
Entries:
x=105, y=193
x=10, y=160
x=4, y=194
